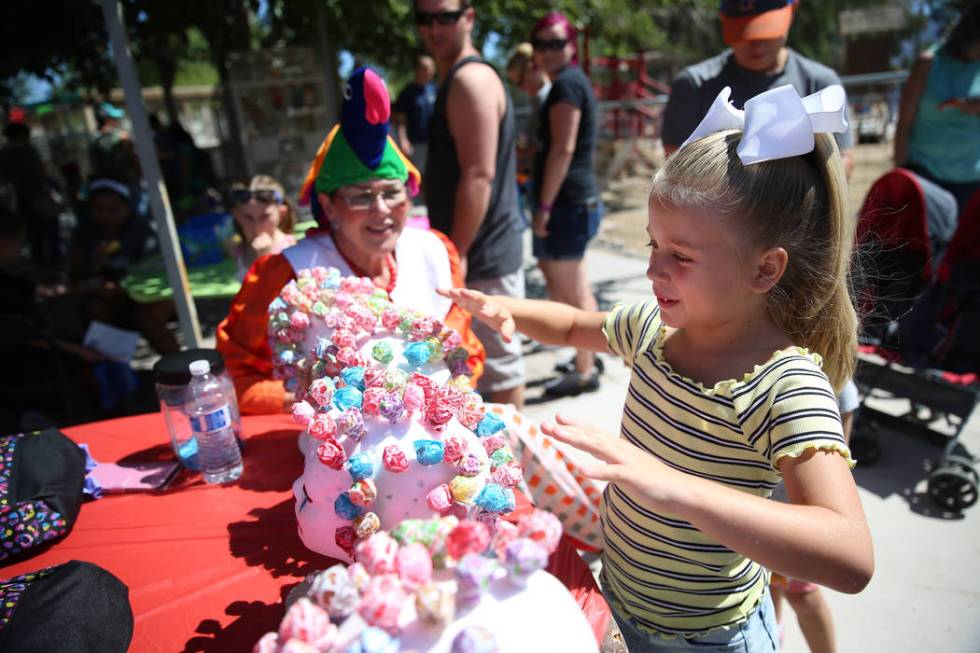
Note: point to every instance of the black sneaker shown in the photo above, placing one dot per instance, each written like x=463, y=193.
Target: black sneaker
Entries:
x=572, y=384
x=569, y=366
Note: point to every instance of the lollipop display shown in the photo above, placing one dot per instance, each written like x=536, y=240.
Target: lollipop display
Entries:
x=393, y=428
x=440, y=585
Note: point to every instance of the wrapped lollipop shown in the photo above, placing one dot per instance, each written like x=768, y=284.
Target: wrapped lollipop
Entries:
x=435, y=605
x=382, y=601
x=475, y=639
x=473, y=576
x=307, y=622
x=378, y=554
x=335, y=591
x=523, y=557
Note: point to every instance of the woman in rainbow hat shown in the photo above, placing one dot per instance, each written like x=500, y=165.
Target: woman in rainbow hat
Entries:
x=359, y=188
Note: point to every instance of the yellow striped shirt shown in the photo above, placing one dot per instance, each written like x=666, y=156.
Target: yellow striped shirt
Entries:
x=666, y=575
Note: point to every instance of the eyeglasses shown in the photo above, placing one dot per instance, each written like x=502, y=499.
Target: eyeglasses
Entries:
x=549, y=44
x=365, y=200
x=441, y=17
x=266, y=196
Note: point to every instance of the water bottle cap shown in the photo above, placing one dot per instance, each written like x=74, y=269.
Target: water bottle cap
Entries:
x=174, y=369
x=200, y=367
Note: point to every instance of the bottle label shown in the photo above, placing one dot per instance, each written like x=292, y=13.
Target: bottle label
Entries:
x=213, y=421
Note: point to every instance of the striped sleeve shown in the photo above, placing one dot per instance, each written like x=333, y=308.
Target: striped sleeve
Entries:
x=803, y=415
x=629, y=329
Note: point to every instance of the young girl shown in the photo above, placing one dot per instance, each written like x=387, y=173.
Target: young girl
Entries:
x=749, y=269
x=264, y=220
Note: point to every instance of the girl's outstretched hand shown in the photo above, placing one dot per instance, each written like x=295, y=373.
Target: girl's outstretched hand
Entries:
x=483, y=308
x=623, y=463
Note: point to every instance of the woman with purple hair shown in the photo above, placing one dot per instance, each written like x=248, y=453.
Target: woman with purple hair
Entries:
x=567, y=195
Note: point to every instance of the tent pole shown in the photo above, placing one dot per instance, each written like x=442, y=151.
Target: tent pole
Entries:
x=146, y=151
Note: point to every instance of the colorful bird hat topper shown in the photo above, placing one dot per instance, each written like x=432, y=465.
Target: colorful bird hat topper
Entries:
x=359, y=148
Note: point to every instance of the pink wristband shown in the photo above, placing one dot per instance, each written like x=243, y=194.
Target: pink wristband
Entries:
x=545, y=207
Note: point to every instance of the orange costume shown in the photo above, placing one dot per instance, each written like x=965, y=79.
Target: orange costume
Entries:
x=243, y=337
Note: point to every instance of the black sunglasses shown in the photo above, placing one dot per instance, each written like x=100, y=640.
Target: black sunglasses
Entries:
x=270, y=196
x=441, y=17
x=549, y=44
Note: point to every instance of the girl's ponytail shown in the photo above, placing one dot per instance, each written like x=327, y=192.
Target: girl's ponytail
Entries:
x=830, y=325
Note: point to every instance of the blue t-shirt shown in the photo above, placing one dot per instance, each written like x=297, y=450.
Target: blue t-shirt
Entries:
x=416, y=102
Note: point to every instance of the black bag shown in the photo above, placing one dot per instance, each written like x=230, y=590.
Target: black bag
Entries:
x=71, y=608
x=41, y=479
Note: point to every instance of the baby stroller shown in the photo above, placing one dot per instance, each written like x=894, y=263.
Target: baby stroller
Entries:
x=921, y=299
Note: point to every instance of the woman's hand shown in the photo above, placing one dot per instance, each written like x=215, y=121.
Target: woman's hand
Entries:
x=539, y=224
x=624, y=464
x=483, y=308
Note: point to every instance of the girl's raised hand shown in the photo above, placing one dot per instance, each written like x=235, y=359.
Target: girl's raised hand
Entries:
x=623, y=463
x=483, y=308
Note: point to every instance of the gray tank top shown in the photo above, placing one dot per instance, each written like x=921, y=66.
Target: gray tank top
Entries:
x=497, y=249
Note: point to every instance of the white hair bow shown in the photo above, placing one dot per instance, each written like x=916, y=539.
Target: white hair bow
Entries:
x=778, y=123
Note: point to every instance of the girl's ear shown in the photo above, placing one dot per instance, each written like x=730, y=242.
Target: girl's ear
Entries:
x=770, y=267
x=283, y=212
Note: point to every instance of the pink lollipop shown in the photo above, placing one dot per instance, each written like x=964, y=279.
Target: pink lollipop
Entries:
x=304, y=621
x=414, y=565
x=541, y=527
x=382, y=602
x=377, y=554
x=303, y=412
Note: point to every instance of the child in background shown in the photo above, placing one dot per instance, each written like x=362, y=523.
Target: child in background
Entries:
x=264, y=220
x=110, y=237
x=749, y=265
x=806, y=599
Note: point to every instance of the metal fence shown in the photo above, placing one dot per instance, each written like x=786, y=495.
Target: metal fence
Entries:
x=873, y=99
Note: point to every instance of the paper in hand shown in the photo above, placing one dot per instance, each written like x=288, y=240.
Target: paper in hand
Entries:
x=115, y=343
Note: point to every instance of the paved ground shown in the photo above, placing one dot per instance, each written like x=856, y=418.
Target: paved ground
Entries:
x=925, y=594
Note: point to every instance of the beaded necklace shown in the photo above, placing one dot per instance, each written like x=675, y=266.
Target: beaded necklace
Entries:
x=358, y=271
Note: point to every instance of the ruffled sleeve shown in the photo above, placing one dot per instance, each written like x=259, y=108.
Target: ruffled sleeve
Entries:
x=631, y=329
x=803, y=413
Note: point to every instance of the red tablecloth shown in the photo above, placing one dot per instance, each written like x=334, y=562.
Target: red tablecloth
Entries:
x=208, y=566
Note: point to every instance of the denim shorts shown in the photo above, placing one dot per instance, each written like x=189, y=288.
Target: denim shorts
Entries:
x=758, y=634
x=570, y=228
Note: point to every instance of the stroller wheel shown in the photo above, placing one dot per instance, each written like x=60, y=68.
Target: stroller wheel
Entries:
x=865, y=448
x=953, y=485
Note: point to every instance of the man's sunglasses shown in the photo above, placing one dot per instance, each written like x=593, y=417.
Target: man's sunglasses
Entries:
x=440, y=17
x=266, y=196
x=549, y=44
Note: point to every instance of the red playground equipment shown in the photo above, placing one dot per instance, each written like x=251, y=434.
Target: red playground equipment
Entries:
x=635, y=99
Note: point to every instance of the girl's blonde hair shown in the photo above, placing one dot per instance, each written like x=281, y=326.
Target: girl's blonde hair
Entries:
x=267, y=182
x=799, y=204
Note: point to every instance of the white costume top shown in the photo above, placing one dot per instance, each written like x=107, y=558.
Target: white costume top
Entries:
x=423, y=264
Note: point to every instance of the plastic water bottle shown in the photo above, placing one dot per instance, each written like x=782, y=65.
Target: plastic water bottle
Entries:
x=208, y=408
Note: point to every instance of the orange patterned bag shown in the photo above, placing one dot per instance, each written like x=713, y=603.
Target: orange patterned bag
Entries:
x=553, y=479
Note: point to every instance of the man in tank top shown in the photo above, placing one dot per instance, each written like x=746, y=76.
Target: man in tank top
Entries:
x=470, y=192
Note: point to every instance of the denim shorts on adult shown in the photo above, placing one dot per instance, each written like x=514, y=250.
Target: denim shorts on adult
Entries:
x=570, y=229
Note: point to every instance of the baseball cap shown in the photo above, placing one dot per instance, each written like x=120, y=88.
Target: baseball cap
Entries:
x=111, y=111
x=752, y=20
